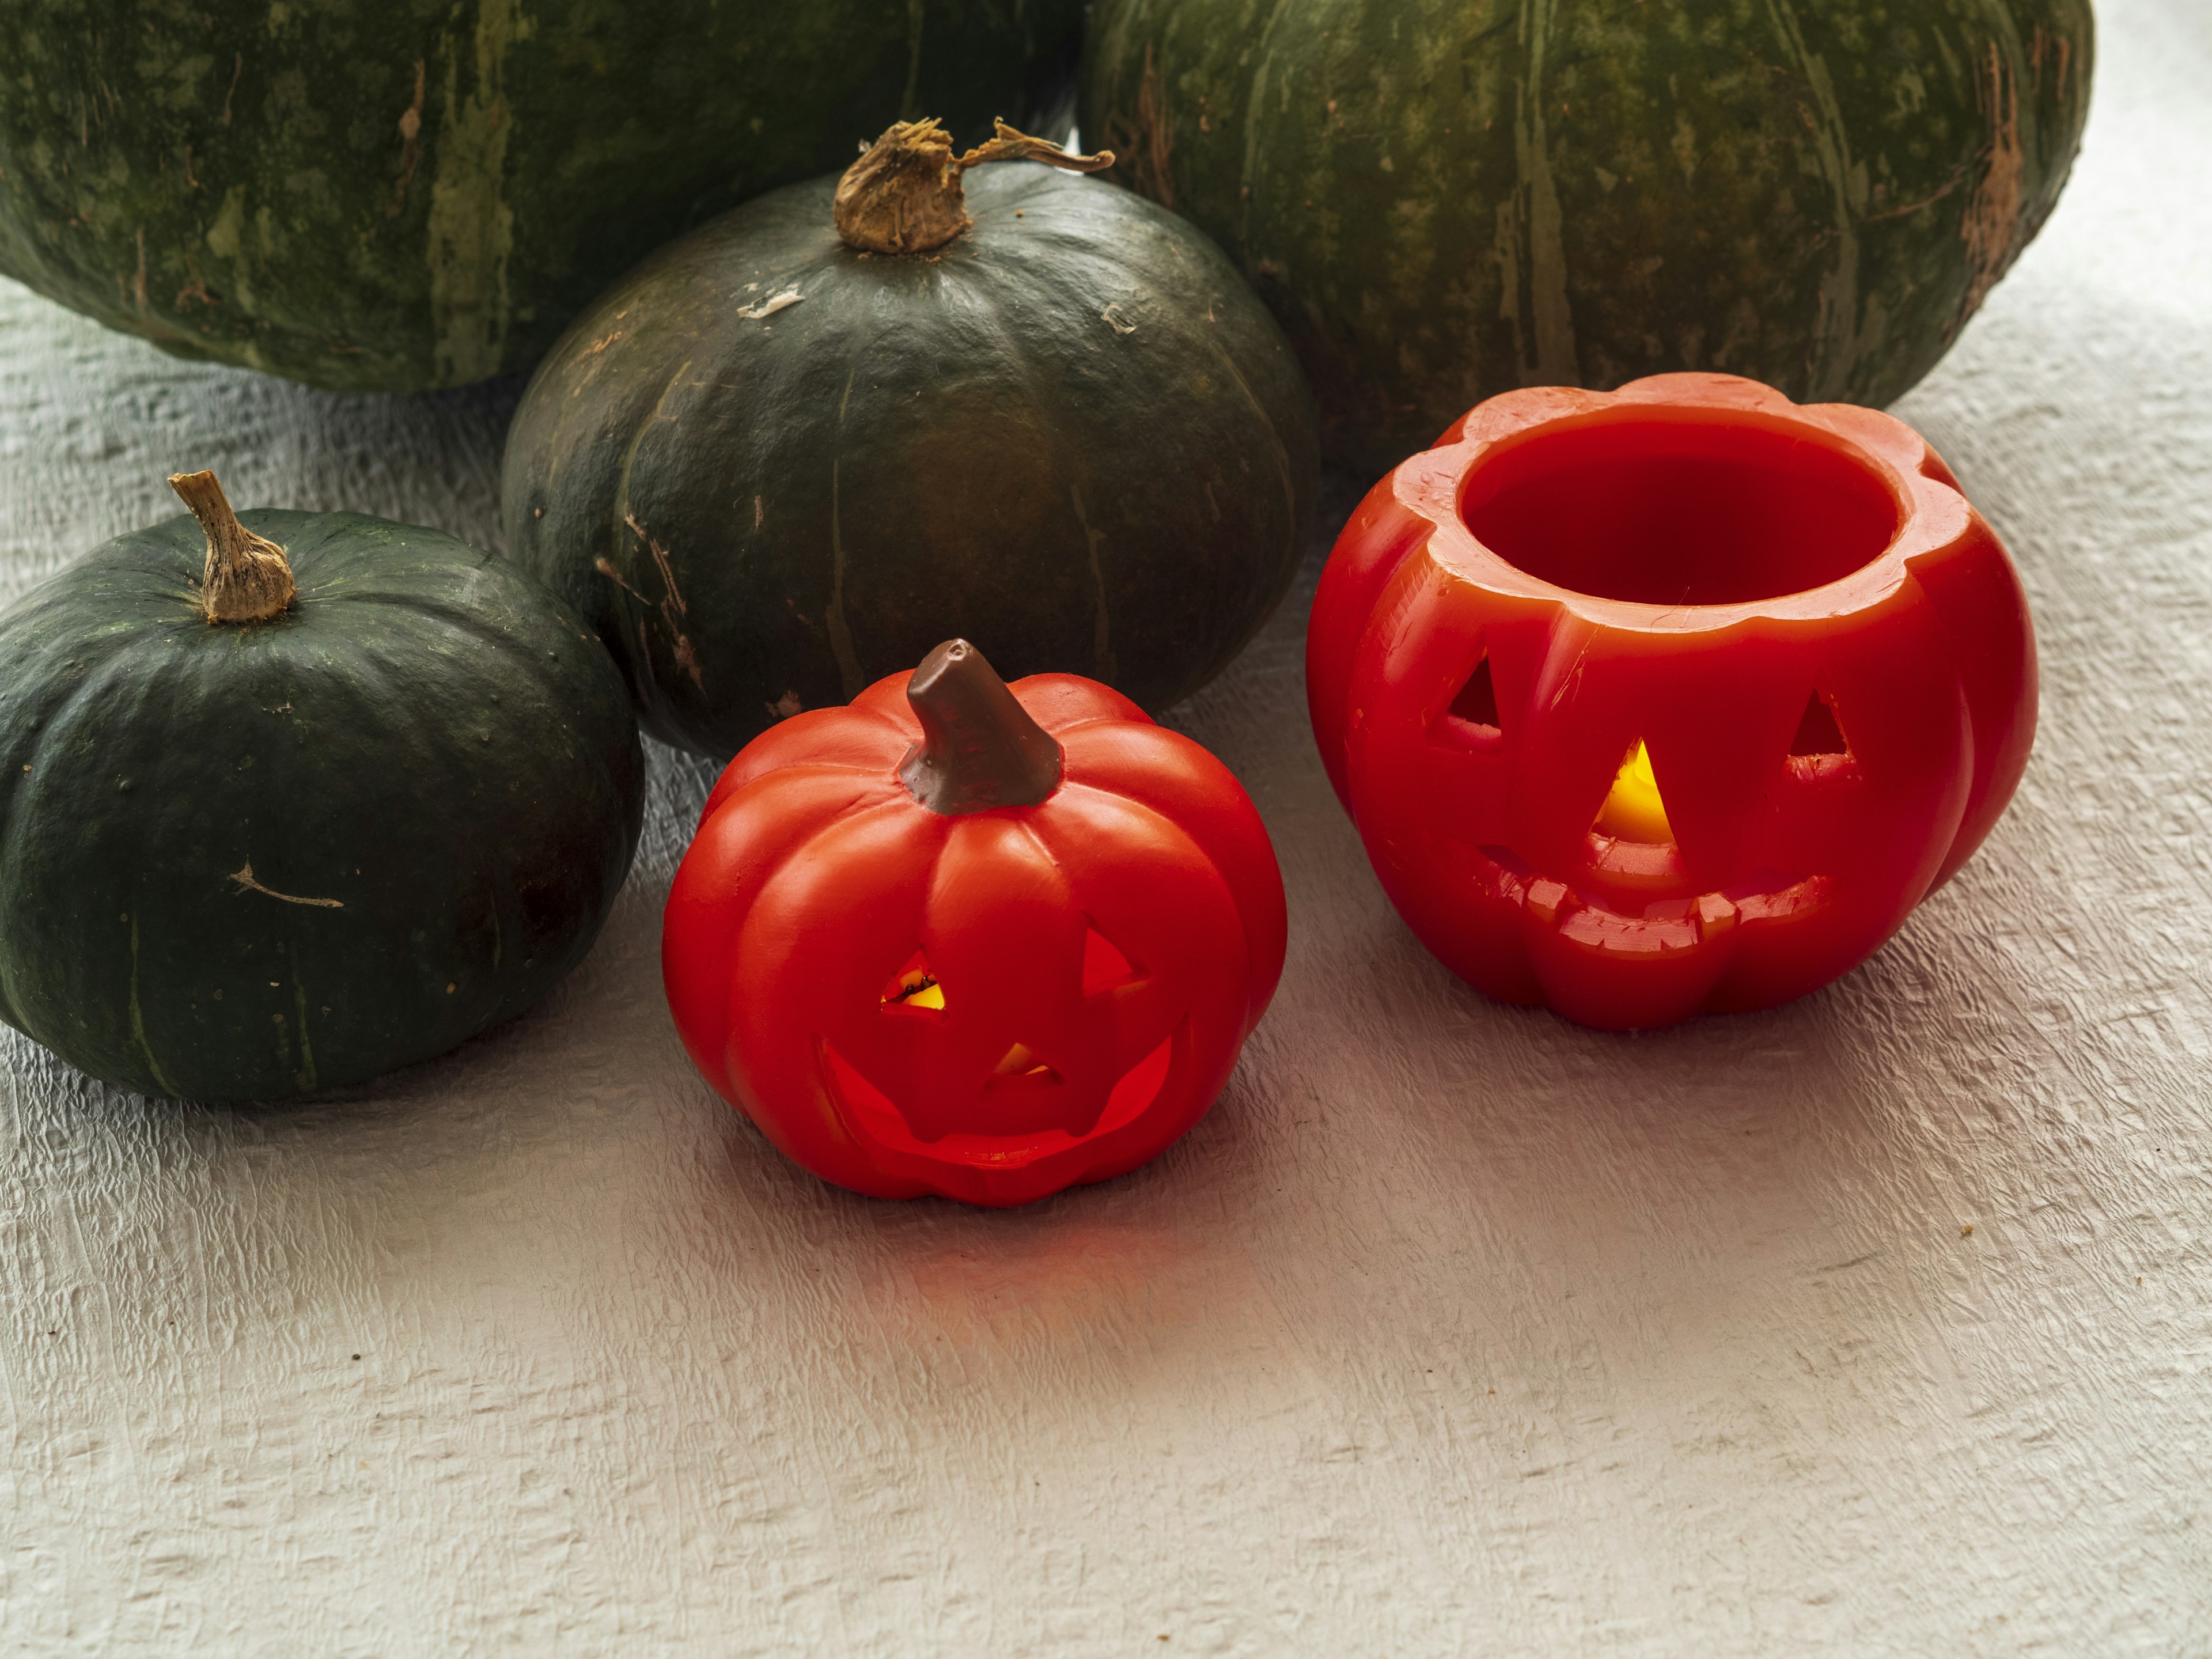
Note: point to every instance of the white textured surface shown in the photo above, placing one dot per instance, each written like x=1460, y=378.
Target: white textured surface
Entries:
x=1452, y=1329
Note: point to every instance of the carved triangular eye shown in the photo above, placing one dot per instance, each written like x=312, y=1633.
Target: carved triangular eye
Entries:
x=1477, y=702
x=1104, y=967
x=915, y=989
x=1818, y=733
x=1633, y=810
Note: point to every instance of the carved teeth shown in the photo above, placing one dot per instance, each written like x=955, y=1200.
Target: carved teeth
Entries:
x=1668, y=923
x=1714, y=913
x=1551, y=901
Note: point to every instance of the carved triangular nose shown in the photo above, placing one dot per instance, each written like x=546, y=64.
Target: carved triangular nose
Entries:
x=1019, y=1065
x=914, y=987
x=1633, y=810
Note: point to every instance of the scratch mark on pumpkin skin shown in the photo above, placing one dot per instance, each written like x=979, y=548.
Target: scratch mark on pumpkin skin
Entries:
x=247, y=884
x=841, y=636
x=629, y=455
x=1102, y=643
x=410, y=130
x=642, y=671
x=672, y=606
x=1150, y=141
x=1550, y=315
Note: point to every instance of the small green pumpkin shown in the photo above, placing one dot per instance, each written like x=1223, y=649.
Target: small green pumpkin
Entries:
x=280, y=817
x=793, y=450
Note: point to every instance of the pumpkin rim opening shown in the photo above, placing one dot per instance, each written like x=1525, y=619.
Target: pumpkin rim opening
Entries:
x=1680, y=507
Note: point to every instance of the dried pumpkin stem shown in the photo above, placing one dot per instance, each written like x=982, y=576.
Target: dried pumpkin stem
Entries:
x=904, y=195
x=979, y=747
x=248, y=577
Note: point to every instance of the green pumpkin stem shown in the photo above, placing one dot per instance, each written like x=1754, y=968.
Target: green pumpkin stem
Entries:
x=904, y=195
x=979, y=747
x=247, y=578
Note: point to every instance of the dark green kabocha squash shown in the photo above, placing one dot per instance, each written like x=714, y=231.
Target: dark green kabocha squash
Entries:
x=1441, y=199
x=297, y=800
x=793, y=451
x=385, y=195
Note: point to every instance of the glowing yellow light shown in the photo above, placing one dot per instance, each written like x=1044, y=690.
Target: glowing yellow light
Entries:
x=1632, y=810
x=917, y=988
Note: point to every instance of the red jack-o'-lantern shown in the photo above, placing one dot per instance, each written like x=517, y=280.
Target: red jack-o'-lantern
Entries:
x=970, y=939
x=1668, y=700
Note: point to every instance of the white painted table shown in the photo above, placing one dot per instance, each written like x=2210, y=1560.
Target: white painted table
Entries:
x=1452, y=1329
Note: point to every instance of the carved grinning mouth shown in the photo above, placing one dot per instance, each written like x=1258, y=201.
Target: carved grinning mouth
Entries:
x=875, y=1116
x=1666, y=924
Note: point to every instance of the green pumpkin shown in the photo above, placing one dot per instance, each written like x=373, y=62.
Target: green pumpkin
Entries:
x=772, y=467
x=1441, y=199
x=388, y=194
x=245, y=860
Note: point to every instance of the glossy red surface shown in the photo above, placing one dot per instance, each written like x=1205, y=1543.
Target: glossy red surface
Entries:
x=1821, y=645
x=989, y=1006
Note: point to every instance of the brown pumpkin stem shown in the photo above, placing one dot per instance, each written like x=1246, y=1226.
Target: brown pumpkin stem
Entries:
x=247, y=578
x=979, y=747
x=904, y=195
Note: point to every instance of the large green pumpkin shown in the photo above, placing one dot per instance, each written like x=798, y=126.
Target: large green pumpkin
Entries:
x=250, y=861
x=772, y=468
x=387, y=195
x=1445, y=198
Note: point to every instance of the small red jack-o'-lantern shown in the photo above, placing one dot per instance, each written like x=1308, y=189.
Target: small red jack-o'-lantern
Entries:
x=970, y=939
x=1668, y=700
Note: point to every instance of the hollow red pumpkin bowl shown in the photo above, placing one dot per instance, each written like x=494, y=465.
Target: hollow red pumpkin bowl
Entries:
x=972, y=940
x=1669, y=700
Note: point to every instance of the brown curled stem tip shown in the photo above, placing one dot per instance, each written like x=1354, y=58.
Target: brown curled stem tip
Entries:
x=979, y=747
x=248, y=577
x=904, y=195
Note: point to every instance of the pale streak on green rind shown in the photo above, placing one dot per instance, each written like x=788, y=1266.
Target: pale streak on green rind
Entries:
x=1102, y=639
x=305, y=1077
x=1836, y=349
x=471, y=229
x=1284, y=468
x=909, y=107
x=138, y=1020
x=1550, y=314
x=1253, y=123
x=841, y=630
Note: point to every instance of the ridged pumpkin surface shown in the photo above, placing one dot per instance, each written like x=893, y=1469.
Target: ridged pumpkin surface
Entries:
x=773, y=469
x=244, y=862
x=1442, y=199
x=385, y=195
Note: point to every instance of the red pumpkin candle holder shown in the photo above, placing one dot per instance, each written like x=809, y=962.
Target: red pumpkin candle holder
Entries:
x=1669, y=700
x=972, y=940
